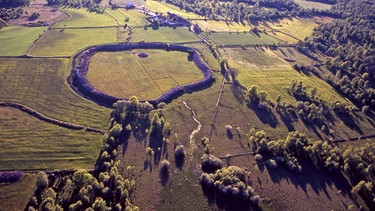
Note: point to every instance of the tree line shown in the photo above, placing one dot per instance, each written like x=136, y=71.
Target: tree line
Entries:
x=92, y=5
x=349, y=43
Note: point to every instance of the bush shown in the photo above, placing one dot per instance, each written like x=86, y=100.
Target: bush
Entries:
x=271, y=163
x=258, y=157
x=42, y=180
x=179, y=155
x=210, y=163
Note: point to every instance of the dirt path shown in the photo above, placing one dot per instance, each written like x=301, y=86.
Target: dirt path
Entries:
x=192, y=143
x=40, y=116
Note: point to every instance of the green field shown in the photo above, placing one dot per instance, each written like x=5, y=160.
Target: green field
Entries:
x=67, y=42
x=135, y=18
x=274, y=75
x=164, y=34
x=28, y=143
x=312, y=4
x=123, y=74
x=298, y=28
x=83, y=18
x=16, y=40
x=41, y=85
x=240, y=38
x=221, y=26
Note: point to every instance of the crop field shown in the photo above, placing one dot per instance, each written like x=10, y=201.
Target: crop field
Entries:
x=16, y=40
x=29, y=143
x=164, y=34
x=66, y=42
x=221, y=26
x=124, y=74
x=240, y=38
x=274, y=75
x=299, y=28
x=41, y=84
x=135, y=18
x=158, y=6
x=312, y=4
x=83, y=18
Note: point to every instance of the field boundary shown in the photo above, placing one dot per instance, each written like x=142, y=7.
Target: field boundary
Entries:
x=40, y=116
x=79, y=82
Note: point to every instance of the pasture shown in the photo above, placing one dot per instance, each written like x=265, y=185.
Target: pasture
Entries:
x=221, y=26
x=124, y=74
x=130, y=17
x=274, y=75
x=16, y=40
x=313, y=4
x=298, y=27
x=67, y=42
x=17, y=195
x=240, y=38
x=29, y=143
x=41, y=85
x=81, y=18
x=164, y=34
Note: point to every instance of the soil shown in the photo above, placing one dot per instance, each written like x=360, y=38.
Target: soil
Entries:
x=47, y=14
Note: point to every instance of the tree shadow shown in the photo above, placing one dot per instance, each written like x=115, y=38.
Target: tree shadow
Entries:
x=226, y=202
x=264, y=115
x=319, y=180
x=350, y=122
x=156, y=144
x=288, y=120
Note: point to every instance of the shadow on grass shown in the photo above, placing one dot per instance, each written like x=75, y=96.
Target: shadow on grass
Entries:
x=318, y=180
x=226, y=202
x=265, y=115
x=350, y=122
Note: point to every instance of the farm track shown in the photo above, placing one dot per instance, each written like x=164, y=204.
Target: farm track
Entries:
x=40, y=116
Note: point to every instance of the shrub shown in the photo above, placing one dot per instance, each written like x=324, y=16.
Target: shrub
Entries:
x=271, y=163
x=258, y=157
x=42, y=180
x=210, y=163
x=179, y=155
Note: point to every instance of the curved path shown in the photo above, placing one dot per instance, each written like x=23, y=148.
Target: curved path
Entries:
x=40, y=116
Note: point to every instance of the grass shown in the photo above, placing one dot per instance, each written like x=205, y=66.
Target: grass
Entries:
x=84, y=18
x=297, y=27
x=67, y=42
x=240, y=38
x=16, y=40
x=136, y=18
x=274, y=75
x=124, y=74
x=29, y=143
x=221, y=26
x=312, y=4
x=17, y=195
x=158, y=6
x=164, y=34
x=41, y=85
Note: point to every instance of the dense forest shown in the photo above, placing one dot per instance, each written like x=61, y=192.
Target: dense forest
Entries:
x=350, y=44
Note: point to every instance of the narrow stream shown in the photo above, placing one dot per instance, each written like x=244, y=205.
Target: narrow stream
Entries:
x=192, y=143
